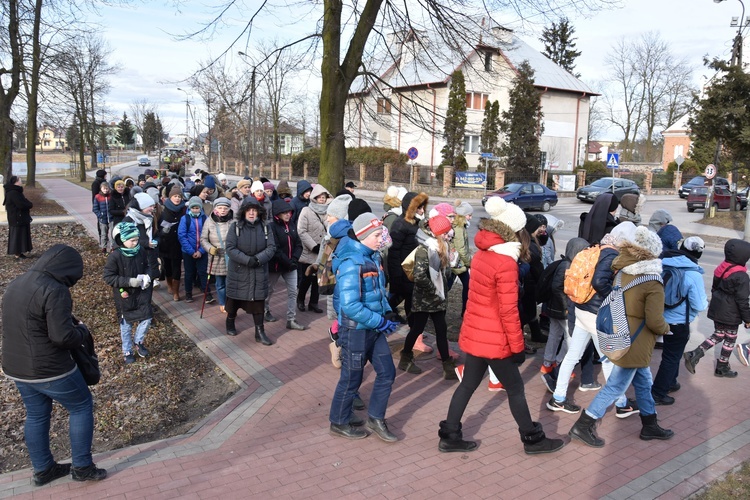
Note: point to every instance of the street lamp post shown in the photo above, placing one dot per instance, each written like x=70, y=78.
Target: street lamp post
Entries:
x=251, y=118
x=187, y=108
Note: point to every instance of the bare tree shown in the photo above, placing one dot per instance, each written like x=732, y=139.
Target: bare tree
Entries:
x=139, y=108
x=10, y=83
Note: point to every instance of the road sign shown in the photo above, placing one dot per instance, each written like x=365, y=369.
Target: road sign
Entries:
x=679, y=160
x=486, y=155
x=613, y=160
x=710, y=171
x=412, y=153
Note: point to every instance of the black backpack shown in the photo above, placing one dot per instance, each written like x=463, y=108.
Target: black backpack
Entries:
x=544, y=284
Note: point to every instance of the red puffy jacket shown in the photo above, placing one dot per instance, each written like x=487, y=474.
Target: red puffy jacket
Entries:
x=491, y=327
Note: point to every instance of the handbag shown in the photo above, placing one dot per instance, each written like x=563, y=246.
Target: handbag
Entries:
x=85, y=356
x=326, y=277
x=408, y=264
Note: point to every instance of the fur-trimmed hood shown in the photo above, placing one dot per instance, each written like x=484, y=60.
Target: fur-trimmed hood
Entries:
x=420, y=200
x=497, y=237
x=391, y=202
x=636, y=260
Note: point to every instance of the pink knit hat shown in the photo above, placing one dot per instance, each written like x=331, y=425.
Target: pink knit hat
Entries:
x=445, y=209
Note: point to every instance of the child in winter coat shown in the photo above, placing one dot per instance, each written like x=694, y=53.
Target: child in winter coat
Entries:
x=102, y=201
x=214, y=241
x=432, y=266
x=194, y=256
x=130, y=271
x=729, y=307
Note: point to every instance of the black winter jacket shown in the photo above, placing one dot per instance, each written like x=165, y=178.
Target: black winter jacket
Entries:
x=17, y=206
x=118, y=205
x=288, y=246
x=536, y=268
x=254, y=241
x=169, y=243
x=602, y=281
x=38, y=328
x=729, y=295
x=117, y=273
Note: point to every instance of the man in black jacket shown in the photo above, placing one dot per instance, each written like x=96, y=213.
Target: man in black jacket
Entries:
x=38, y=333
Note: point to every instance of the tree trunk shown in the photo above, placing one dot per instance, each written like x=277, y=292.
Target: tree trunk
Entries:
x=33, y=98
x=7, y=97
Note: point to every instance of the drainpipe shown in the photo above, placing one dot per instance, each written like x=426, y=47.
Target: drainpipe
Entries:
x=398, y=139
x=538, y=126
x=360, y=121
x=432, y=148
x=575, y=137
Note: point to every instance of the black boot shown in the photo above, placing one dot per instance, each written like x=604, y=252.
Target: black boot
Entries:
x=406, y=363
x=449, y=369
x=536, y=442
x=260, y=335
x=692, y=358
x=231, y=330
x=536, y=332
x=724, y=370
x=451, y=439
x=651, y=429
x=380, y=428
x=583, y=430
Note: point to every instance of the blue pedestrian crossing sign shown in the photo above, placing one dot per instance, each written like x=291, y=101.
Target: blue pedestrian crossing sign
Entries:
x=613, y=160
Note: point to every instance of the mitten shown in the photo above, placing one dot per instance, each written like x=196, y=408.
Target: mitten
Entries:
x=518, y=358
x=136, y=282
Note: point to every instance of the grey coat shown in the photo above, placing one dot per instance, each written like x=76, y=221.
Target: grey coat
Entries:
x=245, y=239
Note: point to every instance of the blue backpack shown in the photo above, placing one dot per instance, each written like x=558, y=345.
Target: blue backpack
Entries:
x=613, y=331
x=674, y=285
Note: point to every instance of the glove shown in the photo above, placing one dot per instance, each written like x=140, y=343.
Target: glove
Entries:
x=316, y=249
x=392, y=316
x=518, y=358
x=145, y=280
x=136, y=282
x=254, y=262
x=387, y=326
x=213, y=250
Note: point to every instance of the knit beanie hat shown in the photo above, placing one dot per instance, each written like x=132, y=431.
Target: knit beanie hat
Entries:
x=693, y=246
x=101, y=173
x=144, y=200
x=268, y=185
x=175, y=190
x=647, y=240
x=357, y=207
x=507, y=213
x=365, y=224
x=392, y=191
x=445, y=209
x=195, y=202
x=339, y=207
x=278, y=207
x=532, y=224
x=222, y=202
x=127, y=231
x=209, y=182
x=221, y=176
x=244, y=182
x=256, y=186
x=440, y=224
x=463, y=208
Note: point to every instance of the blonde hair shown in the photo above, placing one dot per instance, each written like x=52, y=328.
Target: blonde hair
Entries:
x=443, y=251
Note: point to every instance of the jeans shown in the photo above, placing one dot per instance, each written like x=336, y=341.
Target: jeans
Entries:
x=619, y=380
x=507, y=373
x=193, y=267
x=357, y=348
x=671, y=357
x=576, y=346
x=304, y=283
x=126, y=330
x=74, y=395
x=221, y=289
x=290, y=278
x=105, y=236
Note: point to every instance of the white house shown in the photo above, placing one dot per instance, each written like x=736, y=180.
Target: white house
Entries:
x=405, y=105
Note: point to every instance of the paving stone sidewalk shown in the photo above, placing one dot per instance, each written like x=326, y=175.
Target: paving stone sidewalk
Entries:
x=271, y=439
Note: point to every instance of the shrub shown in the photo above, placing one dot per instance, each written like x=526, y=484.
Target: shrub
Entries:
x=370, y=156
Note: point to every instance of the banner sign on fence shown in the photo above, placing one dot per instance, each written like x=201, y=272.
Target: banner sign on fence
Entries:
x=471, y=179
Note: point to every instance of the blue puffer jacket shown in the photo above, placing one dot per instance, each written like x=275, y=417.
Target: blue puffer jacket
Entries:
x=692, y=288
x=189, y=233
x=360, y=286
x=339, y=230
x=602, y=281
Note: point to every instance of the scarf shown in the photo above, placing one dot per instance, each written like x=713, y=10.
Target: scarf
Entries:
x=130, y=252
x=227, y=218
x=319, y=208
x=172, y=207
x=145, y=220
x=433, y=259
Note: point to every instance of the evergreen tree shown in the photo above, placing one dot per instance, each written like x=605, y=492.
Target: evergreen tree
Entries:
x=72, y=138
x=152, y=133
x=455, y=123
x=560, y=46
x=490, y=127
x=521, y=124
x=125, y=131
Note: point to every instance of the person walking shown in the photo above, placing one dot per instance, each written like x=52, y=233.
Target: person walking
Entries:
x=363, y=326
x=729, y=307
x=250, y=247
x=170, y=250
x=213, y=241
x=18, y=208
x=38, y=332
x=311, y=228
x=491, y=334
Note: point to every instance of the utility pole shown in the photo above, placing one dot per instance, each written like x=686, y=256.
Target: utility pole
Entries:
x=187, y=109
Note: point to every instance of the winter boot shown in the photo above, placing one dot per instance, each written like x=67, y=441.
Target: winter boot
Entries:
x=231, y=330
x=583, y=430
x=176, y=290
x=651, y=429
x=451, y=439
x=449, y=369
x=406, y=363
x=536, y=332
x=536, y=442
x=260, y=335
x=723, y=370
x=692, y=358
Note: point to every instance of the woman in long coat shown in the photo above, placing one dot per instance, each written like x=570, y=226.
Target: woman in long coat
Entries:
x=19, y=218
x=250, y=246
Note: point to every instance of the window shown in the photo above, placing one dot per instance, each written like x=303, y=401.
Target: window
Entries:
x=476, y=100
x=678, y=150
x=538, y=189
x=488, y=61
x=384, y=106
x=471, y=144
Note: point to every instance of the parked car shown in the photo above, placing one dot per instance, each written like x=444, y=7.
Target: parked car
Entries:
x=143, y=161
x=699, y=181
x=527, y=195
x=605, y=185
x=696, y=200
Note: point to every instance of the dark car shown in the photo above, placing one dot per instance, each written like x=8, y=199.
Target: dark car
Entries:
x=699, y=181
x=143, y=161
x=696, y=200
x=527, y=195
x=607, y=185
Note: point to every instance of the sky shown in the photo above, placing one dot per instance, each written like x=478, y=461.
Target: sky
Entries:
x=152, y=63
